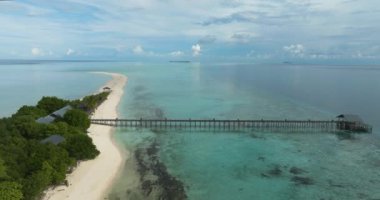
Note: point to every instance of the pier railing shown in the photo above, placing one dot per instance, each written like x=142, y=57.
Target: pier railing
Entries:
x=270, y=125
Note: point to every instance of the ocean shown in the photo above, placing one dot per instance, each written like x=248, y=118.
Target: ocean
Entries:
x=226, y=165
x=26, y=82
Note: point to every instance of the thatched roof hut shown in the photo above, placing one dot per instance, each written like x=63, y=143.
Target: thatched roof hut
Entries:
x=107, y=89
x=352, y=122
x=350, y=118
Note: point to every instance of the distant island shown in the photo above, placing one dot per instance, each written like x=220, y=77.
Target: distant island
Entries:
x=180, y=61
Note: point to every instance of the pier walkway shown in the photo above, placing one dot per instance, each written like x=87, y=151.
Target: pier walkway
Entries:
x=264, y=125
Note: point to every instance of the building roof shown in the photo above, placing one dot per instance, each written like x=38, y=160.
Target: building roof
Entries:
x=57, y=114
x=45, y=120
x=350, y=118
x=61, y=112
x=54, y=139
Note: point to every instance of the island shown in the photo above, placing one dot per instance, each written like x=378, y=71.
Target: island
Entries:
x=40, y=144
x=180, y=61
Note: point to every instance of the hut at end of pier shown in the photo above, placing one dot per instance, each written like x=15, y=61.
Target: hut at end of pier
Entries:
x=350, y=122
x=107, y=89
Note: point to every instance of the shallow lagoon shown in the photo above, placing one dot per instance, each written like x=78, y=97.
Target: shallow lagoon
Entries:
x=230, y=165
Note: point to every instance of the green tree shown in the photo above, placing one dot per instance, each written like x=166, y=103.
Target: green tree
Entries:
x=32, y=111
x=51, y=104
x=10, y=191
x=27, y=127
x=89, y=103
x=50, y=129
x=3, y=169
x=55, y=155
x=38, y=181
x=58, y=158
x=66, y=129
x=80, y=147
x=13, y=153
x=27, y=166
x=77, y=118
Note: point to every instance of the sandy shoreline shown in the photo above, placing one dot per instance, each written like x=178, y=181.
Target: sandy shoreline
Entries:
x=92, y=179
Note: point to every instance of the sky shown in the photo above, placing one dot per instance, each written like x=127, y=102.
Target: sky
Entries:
x=309, y=31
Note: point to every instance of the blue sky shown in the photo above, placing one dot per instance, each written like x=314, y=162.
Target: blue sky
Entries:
x=227, y=30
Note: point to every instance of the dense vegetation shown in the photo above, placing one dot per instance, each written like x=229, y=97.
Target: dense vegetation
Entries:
x=90, y=103
x=77, y=118
x=28, y=166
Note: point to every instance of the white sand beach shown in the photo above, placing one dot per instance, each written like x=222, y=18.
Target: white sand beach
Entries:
x=92, y=179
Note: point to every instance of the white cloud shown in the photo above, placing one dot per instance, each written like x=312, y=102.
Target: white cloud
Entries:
x=138, y=49
x=176, y=53
x=70, y=52
x=37, y=51
x=323, y=24
x=295, y=49
x=196, y=49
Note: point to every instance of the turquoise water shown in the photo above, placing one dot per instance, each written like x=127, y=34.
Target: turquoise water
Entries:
x=231, y=165
x=238, y=165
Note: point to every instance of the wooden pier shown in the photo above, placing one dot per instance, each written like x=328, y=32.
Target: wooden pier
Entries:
x=234, y=125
